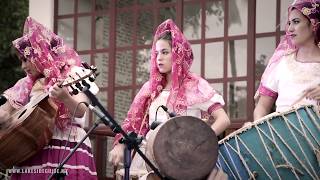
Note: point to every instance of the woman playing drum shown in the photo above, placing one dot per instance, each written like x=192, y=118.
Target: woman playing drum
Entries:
x=292, y=77
x=171, y=84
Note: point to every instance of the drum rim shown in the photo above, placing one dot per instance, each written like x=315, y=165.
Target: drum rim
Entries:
x=263, y=119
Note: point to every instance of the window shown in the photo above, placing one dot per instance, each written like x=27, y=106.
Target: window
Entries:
x=232, y=41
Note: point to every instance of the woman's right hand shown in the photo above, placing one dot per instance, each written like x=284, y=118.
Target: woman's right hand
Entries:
x=5, y=112
x=4, y=115
x=116, y=154
x=247, y=124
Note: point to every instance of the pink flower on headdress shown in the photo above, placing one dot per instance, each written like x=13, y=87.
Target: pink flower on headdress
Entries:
x=62, y=64
x=49, y=57
x=159, y=78
x=26, y=51
x=46, y=72
x=37, y=51
x=159, y=88
x=315, y=5
x=306, y=11
x=314, y=24
x=71, y=61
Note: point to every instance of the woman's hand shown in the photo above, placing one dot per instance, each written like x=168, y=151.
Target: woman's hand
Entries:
x=313, y=93
x=221, y=122
x=5, y=112
x=59, y=93
x=116, y=154
x=70, y=101
x=247, y=124
x=4, y=116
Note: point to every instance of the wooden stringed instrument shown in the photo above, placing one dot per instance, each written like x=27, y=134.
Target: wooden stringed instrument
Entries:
x=30, y=128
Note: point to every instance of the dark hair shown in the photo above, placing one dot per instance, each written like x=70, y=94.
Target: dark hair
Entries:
x=166, y=36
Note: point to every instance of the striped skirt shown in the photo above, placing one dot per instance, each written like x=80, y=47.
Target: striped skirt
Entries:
x=80, y=166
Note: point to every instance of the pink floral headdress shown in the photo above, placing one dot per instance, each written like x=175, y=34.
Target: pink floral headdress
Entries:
x=310, y=9
x=51, y=57
x=187, y=88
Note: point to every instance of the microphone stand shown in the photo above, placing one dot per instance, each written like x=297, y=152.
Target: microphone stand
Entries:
x=58, y=174
x=130, y=140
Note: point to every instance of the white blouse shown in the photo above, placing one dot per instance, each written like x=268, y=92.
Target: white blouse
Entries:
x=290, y=78
x=194, y=110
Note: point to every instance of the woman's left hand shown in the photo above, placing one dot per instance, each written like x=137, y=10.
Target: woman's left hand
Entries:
x=313, y=93
x=58, y=92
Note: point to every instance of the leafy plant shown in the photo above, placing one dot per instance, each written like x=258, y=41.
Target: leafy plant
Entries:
x=12, y=16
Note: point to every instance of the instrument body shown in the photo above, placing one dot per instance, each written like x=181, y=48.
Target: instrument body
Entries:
x=27, y=131
x=183, y=147
x=279, y=146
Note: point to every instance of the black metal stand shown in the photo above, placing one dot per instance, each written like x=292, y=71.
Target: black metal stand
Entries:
x=127, y=152
x=58, y=174
x=127, y=162
x=130, y=140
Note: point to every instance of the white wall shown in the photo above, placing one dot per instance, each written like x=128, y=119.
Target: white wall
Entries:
x=42, y=11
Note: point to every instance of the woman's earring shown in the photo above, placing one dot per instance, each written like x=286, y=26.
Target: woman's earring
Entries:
x=319, y=45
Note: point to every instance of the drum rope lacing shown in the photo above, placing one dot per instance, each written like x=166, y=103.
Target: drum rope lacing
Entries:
x=299, y=144
x=273, y=133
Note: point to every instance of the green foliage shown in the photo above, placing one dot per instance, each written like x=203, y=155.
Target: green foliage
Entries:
x=12, y=16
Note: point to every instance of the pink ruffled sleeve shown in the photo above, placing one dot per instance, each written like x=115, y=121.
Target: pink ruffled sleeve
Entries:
x=18, y=95
x=271, y=83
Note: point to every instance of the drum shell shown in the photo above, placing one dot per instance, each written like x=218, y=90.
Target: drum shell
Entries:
x=183, y=147
x=282, y=145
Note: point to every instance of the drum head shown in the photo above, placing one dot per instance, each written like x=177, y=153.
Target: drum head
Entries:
x=184, y=147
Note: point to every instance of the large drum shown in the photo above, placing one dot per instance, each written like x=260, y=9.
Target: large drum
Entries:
x=184, y=147
x=279, y=146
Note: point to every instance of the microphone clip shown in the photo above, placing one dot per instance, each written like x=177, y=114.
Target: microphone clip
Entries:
x=156, y=123
x=171, y=114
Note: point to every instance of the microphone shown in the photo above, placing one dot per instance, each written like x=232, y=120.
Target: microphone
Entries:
x=156, y=123
x=3, y=100
x=171, y=114
x=101, y=115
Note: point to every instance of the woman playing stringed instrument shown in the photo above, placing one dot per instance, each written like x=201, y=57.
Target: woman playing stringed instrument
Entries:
x=46, y=61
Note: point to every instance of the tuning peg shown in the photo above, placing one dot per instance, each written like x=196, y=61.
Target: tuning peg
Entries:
x=93, y=68
x=74, y=91
x=85, y=84
x=92, y=78
x=85, y=65
x=79, y=86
